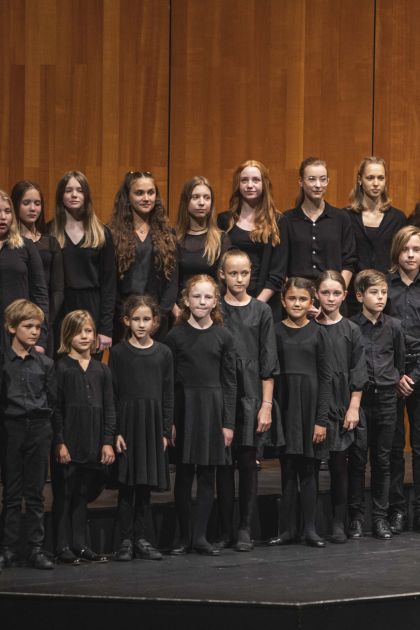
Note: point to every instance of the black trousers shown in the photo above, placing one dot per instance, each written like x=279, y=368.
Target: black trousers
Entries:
x=397, y=502
x=27, y=444
x=380, y=407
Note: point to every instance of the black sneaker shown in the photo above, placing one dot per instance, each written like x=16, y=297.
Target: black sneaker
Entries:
x=66, y=556
x=397, y=522
x=381, y=530
x=125, y=552
x=145, y=550
x=355, y=529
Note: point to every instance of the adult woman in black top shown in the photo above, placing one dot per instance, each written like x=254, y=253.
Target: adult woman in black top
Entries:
x=145, y=246
x=253, y=225
x=21, y=273
x=200, y=242
x=315, y=235
x=28, y=201
x=88, y=255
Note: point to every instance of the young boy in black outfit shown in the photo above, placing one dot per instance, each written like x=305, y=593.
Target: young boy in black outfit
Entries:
x=385, y=356
x=28, y=398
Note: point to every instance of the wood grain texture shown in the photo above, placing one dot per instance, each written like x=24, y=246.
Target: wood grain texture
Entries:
x=397, y=97
x=85, y=87
x=273, y=81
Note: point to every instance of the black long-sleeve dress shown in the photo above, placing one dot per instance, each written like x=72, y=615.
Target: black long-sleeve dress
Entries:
x=205, y=392
x=22, y=276
x=192, y=260
x=256, y=359
x=143, y=393
x=304, y=386
x=349, y=374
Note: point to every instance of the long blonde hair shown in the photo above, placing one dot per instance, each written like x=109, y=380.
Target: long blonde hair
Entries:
x=266, y=214
x=399, y=241
x=71, y=326
x=94, y=229
x=357, y=195
x=213, y=243
x=14, y=239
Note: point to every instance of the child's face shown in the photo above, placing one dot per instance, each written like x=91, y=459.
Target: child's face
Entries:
x=374, y=298
x=297, y=303
x=141, y=323
x=200, y=202
x=27, y=332
x=409, y=259
x=331, y=296
x=84, y=339
x=236, y=274
x=201, y=300
x=73, y=197
x=250, y=184
x=142, y=195
x=30, y=206
x=373, y=181
x=6, y=218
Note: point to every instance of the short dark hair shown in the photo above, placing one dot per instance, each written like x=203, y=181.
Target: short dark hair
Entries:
x=298, y=283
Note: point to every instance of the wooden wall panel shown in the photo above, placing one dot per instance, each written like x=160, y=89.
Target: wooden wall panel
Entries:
x=274, y=81
x=397, y=97
x=85, y=85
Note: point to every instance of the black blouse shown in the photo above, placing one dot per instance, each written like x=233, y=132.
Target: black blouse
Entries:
x=22, y=276
x=373, y=245
x=310, y=247
x=191, y=258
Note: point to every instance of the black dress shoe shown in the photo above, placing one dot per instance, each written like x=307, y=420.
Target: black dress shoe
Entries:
x=381, y=530
x=10, y=558
x=39, y=559
x=87, y=555
x=206, y=549
x=223, y=543
x=145, y=550
x=282, y=539
x=355, y=529
x=180, y=550
x=66, y=556
x=397, y=522
x=125, y=552
x=338, y=535
x=416, y=522
x=315, y=541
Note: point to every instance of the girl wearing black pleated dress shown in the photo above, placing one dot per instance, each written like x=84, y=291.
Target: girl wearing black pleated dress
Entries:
x=142, y=375
x=205, y=398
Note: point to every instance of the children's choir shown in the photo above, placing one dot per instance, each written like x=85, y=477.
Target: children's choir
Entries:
x=229, y=336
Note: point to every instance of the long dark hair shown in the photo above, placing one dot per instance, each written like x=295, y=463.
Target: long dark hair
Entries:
x=17, y=194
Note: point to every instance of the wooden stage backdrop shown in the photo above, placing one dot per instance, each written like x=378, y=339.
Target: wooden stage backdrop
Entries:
x=186, y=87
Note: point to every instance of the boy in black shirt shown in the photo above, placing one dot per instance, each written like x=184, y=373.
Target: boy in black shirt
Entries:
x=28, y=397
x=385, y=356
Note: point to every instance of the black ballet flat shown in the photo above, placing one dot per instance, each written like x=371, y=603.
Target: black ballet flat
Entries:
x=180, y=550
x=243, y=545
x=206, y=550
x=280, y=541
x=318, y=543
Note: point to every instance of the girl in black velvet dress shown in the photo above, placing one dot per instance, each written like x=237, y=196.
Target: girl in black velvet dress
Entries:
x=142, y=375
x=88, y=256
x=253, y=225
x=205, y=399
x=201, y=244
x=145, y=247
x=29, y=203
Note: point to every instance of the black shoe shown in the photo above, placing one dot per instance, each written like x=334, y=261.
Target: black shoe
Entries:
x=10, y=558
x=145, y=550
x=313, y=540
x=206, y=549
x=338, y=534
x=223, y=543
x=87, y=555
x=180, y=550
x=66, y=556
x=355, y=529
x=39, y=559
x=397, y=522
x=244, y=542
x=416, y=522
x=125, y=552
x=381, y=530
x=282, y=539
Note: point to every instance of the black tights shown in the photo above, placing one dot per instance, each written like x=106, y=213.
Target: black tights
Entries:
x=204, y=502
x=133, y=511
x=299, y=468
x=225, y=482
x=339, y=483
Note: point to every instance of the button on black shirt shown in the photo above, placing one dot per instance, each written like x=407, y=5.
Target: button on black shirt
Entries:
x=310, y=247
x=384, y=348
x=29, y=388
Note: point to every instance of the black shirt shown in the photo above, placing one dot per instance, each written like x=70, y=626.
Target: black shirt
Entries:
x=310, y=247
x=384, y=347
x=52, y=262
x=404, y=303
x=192, y=260
x=29, y=387
x=373, y=245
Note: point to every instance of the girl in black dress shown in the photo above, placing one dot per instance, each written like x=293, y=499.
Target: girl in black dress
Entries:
x=142, y=376
x=205, y=396
x=145, y=246
x=29, y=203
x=349, y=376
x=88, y=255
x=257, y=415
x=200, y=242
x=253, y=225
x=21, y=272
x=374, y=220
x=84, y=433
x=304, y=395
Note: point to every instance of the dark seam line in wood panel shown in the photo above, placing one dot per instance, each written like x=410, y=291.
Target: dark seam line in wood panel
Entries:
x=373, y=78
x=168, y=167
